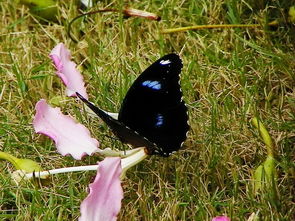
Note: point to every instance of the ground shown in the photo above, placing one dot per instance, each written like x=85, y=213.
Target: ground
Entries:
x=229, y=77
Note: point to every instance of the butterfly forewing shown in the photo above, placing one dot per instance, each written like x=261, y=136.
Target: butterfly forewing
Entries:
x=153, y=106
x=153, y=114
x=124, y=133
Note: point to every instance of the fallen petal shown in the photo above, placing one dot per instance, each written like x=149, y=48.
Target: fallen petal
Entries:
x=104, y=200
x=70, y=137
x=26, y=165
x=67, y=71
x=221, y=218
x=140, y=13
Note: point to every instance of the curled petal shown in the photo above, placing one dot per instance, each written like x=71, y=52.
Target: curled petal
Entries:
x=104, y=200
x=67, y=71
x=221, y=218
x=142, y=14
x=70, y=137
x=26, y=165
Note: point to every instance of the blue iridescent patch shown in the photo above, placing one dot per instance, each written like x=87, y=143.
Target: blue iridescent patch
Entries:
x=160, y=120
x=156, y=85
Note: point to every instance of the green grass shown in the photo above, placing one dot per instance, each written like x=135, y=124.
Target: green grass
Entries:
x=229, y=76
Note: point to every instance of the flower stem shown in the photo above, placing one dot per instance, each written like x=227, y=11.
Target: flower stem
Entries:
x=61, y=170
x=134, y=158
x=126, y=163
x=108, y=152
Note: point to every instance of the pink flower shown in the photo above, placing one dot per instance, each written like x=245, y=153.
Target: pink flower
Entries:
x=66, y=70
x=104, y=200
x=221, y=218
x=69, y=136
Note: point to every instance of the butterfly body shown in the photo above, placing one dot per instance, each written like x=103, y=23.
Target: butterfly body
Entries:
x=152, y=113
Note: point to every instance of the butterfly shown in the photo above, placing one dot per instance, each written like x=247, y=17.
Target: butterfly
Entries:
x=153, y=114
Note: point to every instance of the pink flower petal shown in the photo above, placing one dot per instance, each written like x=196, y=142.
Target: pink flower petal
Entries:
x=66, y=70
x=104, y=200
x=70, y=137
x=221, y=218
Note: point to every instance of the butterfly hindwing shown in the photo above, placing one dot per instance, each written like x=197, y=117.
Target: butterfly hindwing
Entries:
x=153, y=106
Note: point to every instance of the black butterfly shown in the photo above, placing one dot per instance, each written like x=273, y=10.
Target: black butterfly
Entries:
x=153, y=114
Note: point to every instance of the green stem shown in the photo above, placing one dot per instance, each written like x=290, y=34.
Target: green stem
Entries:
x=199, y=27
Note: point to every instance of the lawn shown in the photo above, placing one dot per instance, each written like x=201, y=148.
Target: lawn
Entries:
x=229, y=76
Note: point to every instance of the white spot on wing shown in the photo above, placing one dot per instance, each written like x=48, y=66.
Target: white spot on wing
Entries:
x=164, y=62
